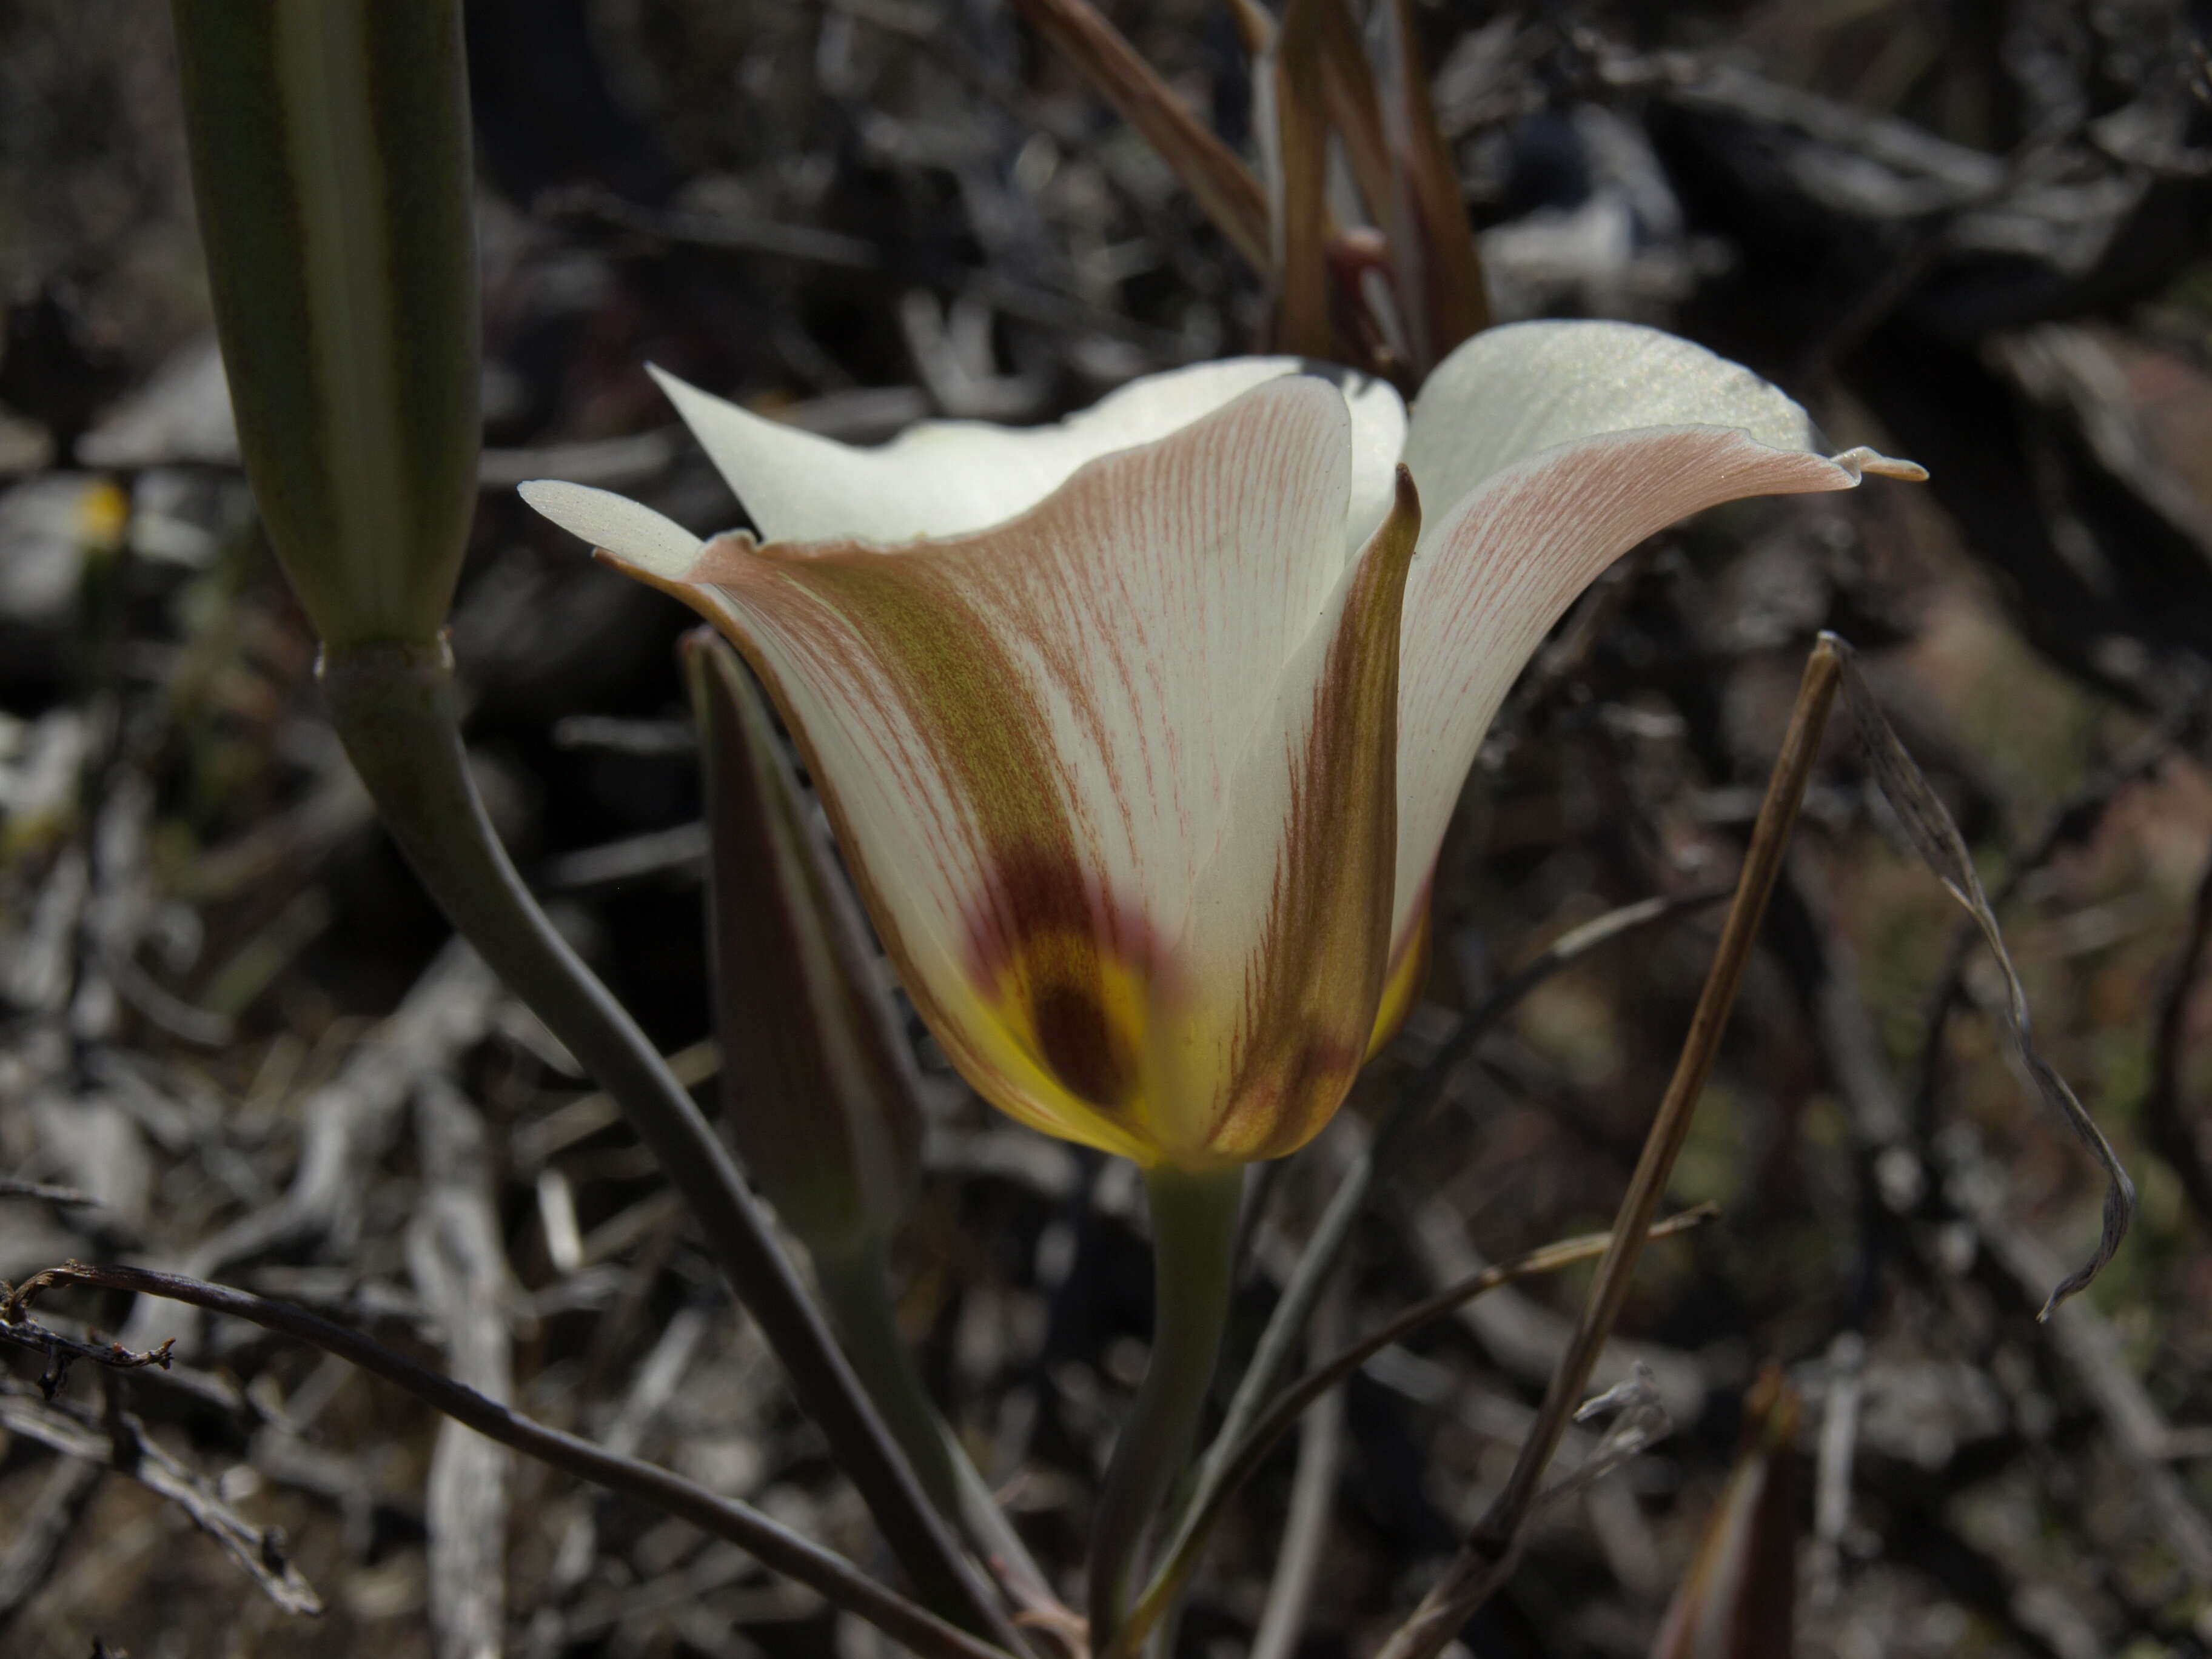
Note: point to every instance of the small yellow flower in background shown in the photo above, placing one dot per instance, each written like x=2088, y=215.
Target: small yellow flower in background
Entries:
x=1141, y=733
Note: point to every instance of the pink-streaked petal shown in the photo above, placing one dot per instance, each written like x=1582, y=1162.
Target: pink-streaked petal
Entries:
x=1502, y=566
x=1028, y=737
x=1287, y=947
x=1512, y=392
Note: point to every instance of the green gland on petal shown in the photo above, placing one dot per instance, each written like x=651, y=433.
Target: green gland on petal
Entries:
x=330, y=151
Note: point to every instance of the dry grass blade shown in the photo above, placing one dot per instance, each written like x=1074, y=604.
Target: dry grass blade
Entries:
x=1494, y=1546
x=1738, y=1599
x=1295, y=136
x=1928, y=824
x=1432, y=246
x=1355, y=108
x=1221, y=184
x=1239, y=1462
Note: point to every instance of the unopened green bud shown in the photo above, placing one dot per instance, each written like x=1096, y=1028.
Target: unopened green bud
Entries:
x=819, y=1080
x=330, y=150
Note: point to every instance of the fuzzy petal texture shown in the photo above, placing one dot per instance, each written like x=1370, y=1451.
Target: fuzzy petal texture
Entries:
x=1042, y=744
x=948, y=478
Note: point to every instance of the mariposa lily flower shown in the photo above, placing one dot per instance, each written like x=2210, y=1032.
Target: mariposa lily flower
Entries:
x=1141, y=733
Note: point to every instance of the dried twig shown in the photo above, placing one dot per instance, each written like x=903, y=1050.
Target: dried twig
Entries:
x=1305, y=1529
x=1928, y=824
x=1838, y=1447
x=123, y=1445
x=62, y=1350
x=775, y=1545
x=67, y=1196
x=351, y=1120
x=1494, y=1546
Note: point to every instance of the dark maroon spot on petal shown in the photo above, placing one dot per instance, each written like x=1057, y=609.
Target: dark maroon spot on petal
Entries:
x=1079, y=1045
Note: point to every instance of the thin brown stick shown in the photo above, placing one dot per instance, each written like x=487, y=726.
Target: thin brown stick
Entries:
x=1221, y=183
x=1494, y=1546
x=775, y=1545
x=121, y=1443
x=1242, y=1460
x=62, y=1350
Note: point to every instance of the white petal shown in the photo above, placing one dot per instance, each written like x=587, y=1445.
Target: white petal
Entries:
x=1028, y=737
x=1378, y=439
x=948, y=478
x=630, y=530
x=1511, y=392
x=1502, y=566
x=1290, y=921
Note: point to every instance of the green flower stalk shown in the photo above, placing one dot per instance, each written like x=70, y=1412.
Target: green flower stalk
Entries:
x=330, y=150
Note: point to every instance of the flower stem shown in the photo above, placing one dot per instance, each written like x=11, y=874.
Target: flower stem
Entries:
x=857, y=1290
x=1193, y=1230
x=393, y=708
